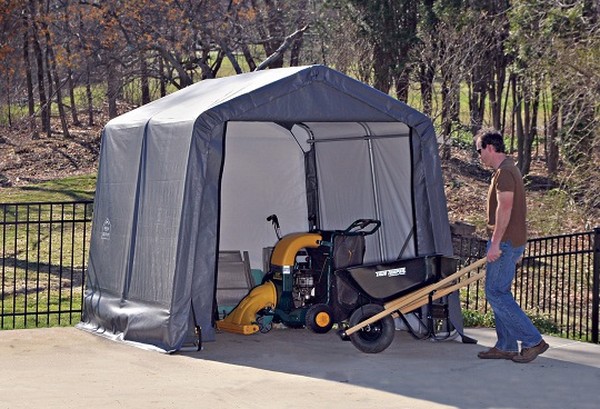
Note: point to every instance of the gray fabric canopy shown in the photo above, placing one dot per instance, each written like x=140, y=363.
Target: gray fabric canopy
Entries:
x=198, y=172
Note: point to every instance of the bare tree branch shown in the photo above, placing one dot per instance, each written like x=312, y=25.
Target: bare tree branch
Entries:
x=287, y=42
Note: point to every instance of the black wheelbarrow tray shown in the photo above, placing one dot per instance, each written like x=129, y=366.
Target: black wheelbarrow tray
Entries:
x=371, y=326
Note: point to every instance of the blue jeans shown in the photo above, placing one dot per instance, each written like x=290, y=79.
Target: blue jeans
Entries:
x=512, y=324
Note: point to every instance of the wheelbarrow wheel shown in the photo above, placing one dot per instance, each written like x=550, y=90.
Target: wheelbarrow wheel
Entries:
x=319, y=318
x=374, y=337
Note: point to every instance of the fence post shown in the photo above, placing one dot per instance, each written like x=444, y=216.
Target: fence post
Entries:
x=596, y=286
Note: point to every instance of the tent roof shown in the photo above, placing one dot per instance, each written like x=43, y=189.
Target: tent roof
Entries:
x=249, y=91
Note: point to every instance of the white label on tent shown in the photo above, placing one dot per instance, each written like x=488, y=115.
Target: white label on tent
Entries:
x=106, y=229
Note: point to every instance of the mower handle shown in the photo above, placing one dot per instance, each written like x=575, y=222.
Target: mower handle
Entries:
x=359, y=227
x=275, y=221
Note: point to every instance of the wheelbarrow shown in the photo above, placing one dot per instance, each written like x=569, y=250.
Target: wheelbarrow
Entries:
x=371, y=326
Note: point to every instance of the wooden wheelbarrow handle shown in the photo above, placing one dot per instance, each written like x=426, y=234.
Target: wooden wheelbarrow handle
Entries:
x=420, y=297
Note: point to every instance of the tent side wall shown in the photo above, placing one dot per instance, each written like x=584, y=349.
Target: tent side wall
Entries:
x=368, y=175
x=263, y=174
x=132, y=261
x=197, y=243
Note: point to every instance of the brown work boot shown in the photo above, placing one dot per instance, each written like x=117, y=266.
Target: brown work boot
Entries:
x=495, y=353
x=529, y=354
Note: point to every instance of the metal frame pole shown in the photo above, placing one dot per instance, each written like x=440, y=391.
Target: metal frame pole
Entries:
x=596, y=286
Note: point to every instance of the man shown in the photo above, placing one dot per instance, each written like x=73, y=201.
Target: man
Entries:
x=506, y=218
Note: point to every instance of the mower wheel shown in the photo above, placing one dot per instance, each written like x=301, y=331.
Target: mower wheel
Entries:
x=374, y=337
x=319, y=318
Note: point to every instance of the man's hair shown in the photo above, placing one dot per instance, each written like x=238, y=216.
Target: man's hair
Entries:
x=491, y=137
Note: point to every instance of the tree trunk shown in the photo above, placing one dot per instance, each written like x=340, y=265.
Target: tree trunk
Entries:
x=112, y=89
x=54, y=76
x=8, y=103
x=518, y=120
x=162, y=79
x=145, y=84
x=184, y=77
x=39, y=58
x=477, y=98
x=216, y=66
x=454, y=101
x=526, y=103
x=448, y=93
x=498, y=64
x=430, y=22
x=70, y=83
x=426, y=75
x=88, y=78
x=530, y=110
x=298, y=41
x=53, y=73
x=231, y=58
x=248, y=57
x=402, y=85
x=552, y=141
x=381, y=68
x=496, y=92
x=33, y=129
x=272, y=60
x=505, y=108
x=295, y=51
x=276, y=33
x=89, y=96
x=446, y=119
x=74, y=115
x=49, y=82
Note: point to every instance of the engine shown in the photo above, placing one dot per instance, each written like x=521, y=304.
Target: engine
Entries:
x=304, y=287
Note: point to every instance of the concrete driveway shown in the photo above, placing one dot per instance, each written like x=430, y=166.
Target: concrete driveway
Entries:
x=286, y=368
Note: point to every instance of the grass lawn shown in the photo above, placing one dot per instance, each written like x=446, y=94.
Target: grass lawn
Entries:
x=73, y=188
x=43, y=251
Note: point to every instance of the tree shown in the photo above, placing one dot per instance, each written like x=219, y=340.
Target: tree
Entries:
x=68, y=62
x=441, y=55
x=558, y=49
x=561, y=44
x=12, y=71
x=426, y=51
x=33, y=26
x=390, y=28
x=488, y=26
x=536, y=56
x=337, y=41
x=273, y=30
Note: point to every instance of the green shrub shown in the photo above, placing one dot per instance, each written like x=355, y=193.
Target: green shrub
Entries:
x=478, y=319
x=544, y=323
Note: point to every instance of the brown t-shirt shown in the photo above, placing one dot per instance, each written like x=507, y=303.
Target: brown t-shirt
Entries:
x=507, y=178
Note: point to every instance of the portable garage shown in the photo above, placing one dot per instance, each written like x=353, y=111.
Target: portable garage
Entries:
x=198, y=172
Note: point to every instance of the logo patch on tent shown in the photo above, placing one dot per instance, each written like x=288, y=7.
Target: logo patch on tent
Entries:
x=106, y=230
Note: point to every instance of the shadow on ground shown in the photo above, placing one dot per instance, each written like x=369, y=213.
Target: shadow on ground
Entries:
x=447, y=373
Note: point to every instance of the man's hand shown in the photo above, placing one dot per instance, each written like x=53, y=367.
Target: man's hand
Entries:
x=494, y=252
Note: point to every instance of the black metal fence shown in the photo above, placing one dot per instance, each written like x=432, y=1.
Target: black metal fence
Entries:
x=43, y=249
x=557, y=283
